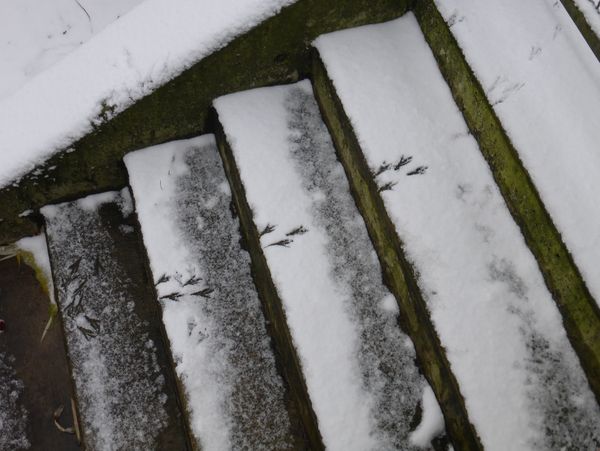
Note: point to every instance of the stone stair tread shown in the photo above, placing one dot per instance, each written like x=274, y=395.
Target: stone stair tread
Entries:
x=494, y=315
x=545, y=91
x=359, y=367
x=122, y=374
x=211, y=310
x=34, y=374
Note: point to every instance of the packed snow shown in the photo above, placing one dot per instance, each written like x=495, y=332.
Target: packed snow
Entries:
x=211, y=309
x=152, y=44
x=119, y=383
x=544, y=84
x=523, y=386
x=35, y=35
x=359, y=366
x=13, y=415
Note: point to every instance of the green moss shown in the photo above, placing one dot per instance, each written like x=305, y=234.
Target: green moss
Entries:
x=397, y=272
x=275, y=51
x=581, y=316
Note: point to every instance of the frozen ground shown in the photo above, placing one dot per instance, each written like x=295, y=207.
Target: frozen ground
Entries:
x=13, y=415
x=359, y=367
x=34, y=34
x=544, y=83
x=139, y=52
x=119, y=384
x=210, y=306
x=523, y=386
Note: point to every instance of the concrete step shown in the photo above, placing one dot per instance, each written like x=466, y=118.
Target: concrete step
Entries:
x=238, y=391
x=121, y=368
x=427, y=191
x=359, y=367
x=35, y=379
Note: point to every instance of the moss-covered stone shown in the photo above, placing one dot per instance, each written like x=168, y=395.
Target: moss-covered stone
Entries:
x=581, y=316
x=398, y=274
x=276, y=51
x=585, y=29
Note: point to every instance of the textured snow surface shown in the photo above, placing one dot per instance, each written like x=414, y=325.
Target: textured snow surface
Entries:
x=117, y=377
x=144, y=49
x=591, y=11
x=522, y=383
x=359, y=367
x=210, y=306
x=544, y=83
x=35, y=35
x=13, y=415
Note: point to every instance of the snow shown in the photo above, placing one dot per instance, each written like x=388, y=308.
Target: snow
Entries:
x=358, y=365
x=133, y=56
x=35, y=35
x=432, y=423
x=591, y=12
x=13, y=415
x=544, y=83
x=219, y=339
x=38, y=248
x=116, y=372
x=523, y=386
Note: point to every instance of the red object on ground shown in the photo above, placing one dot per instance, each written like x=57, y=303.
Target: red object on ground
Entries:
x=2, y=325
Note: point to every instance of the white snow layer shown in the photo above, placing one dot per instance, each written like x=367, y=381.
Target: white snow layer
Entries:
x=522, y=383
x=211, y=309
x=38, y=248
x=591, y=12
x=119, y=382
x=35, y=35
x=544, y=83
x=133, y=56
x=358, y=365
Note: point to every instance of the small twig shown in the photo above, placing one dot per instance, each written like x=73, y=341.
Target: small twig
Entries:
x=87, y=333
x=84, y=10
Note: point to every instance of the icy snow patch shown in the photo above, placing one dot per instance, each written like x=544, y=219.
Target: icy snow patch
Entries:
x=523, y=386
x=210, y=306
x=38, y=248
x=115, y=367
x=544, y=83
x=134, y=55
x=13, y=415
x=359, y=366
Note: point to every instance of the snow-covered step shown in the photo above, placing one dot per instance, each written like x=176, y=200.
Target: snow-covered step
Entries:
x=359, y=367
x=123, y=377
x=522, y=382
x=34, y=374
x=544, y=86
x=235, y=393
